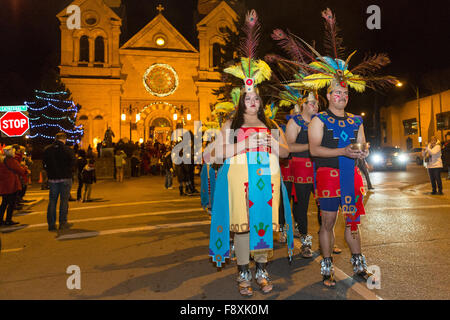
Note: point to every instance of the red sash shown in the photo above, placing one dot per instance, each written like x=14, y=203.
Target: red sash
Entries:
x=302, y=170
x=328, y=186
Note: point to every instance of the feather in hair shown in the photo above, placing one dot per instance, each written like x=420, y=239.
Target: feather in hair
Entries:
x=235, y=95
x=291, y=46
x=250, y=42
x=264, y=72
x=332, y=41
x=372, y=64
x=236, y=71
x=317, y=81
x=285, y=103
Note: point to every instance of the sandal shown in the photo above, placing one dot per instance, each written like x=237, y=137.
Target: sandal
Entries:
x=262, y=278
x=244, y=280
x=336, y=250
x=328, y=281
x=306, y=246
x=360, y=266
x=327, y=272
x=245, y=289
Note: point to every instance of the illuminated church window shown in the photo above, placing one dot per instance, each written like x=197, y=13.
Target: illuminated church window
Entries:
x=160, y=42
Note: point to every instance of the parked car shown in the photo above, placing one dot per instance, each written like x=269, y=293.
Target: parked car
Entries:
x=415, y=155
x=388, y=157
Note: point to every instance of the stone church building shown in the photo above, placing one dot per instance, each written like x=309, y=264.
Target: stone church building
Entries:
x=148, y=85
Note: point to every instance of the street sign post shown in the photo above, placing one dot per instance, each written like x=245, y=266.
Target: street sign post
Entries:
x=14, y=124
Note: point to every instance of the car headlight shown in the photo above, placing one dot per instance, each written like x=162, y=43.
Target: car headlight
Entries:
x=403, y=158
x=377, y=158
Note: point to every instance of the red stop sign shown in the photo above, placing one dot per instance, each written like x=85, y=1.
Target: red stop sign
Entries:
x=14, y=124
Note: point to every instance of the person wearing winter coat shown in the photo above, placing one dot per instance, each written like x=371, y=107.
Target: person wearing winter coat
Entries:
x=120, y=164
x=10, y=185
x=89, y=178
x=59, y=161
x=168, y=169
x=81, y=163
x=432, y=153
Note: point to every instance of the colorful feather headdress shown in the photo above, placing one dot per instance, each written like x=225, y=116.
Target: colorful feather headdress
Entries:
x=253, y=71
x=292, y=96
x=225, y=110
x=296, y=67
x=271, y=111
x=317, y=71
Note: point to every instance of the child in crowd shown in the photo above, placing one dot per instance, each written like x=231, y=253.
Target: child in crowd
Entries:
x=89, y=177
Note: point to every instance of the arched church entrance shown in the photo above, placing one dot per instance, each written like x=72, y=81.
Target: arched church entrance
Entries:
x=156, y=122
x=160, y=129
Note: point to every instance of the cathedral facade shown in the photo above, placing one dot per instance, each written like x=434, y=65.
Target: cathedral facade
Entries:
x=146, y=87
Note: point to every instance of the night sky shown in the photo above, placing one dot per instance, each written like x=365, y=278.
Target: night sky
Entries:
x=414, y=33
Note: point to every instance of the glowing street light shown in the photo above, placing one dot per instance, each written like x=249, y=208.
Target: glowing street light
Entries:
x=363, y=114
x=124, y=117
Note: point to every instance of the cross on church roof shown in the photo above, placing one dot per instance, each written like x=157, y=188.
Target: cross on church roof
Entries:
x=160, y=8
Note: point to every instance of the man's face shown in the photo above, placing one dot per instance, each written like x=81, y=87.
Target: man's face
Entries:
x=338, y=97
x=311, y=107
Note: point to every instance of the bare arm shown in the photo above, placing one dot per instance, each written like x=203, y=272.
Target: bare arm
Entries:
x=292, y=131
x=224, y=146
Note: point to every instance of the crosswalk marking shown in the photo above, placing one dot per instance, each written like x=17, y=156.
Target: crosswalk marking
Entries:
x=154, y=213
x=123, y=204
x=137, y=229
x=11, y=250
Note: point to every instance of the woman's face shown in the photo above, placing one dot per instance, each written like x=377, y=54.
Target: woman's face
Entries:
x=252, y=103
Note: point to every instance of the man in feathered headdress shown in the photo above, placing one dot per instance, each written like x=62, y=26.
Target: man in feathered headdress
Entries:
x=336, y=139
x=300, y=169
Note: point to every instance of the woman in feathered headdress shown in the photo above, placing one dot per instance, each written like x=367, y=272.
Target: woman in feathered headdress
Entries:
x=247, y=194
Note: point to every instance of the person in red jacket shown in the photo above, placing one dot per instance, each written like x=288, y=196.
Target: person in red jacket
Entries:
x=20, y=158
x=10, y=170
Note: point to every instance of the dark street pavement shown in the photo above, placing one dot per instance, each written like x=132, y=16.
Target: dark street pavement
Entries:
x=140, y=241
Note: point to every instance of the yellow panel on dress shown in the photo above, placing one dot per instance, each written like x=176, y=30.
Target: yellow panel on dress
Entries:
x=238, y=201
